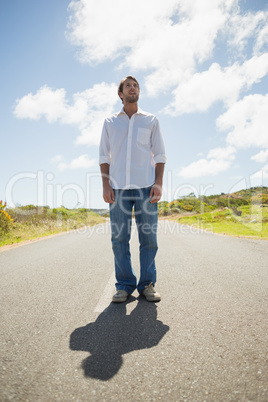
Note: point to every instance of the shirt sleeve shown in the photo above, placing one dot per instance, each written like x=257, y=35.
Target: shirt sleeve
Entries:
x=158, y=147
x=104, y=148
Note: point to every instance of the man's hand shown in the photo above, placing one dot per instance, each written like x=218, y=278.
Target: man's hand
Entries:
x=156, y=193
x=108, y=193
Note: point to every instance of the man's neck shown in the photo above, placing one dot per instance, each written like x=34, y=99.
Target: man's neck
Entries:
x=130, y=109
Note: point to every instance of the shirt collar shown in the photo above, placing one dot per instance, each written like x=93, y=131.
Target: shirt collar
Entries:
x=139, y=111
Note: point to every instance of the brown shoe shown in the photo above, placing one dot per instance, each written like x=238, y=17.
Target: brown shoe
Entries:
x=151, y=294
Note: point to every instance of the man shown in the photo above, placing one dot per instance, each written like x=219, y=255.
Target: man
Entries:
x=132, y=159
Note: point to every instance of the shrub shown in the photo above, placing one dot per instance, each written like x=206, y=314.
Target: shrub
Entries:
x=174, y=204
x=188, y=207
x=164, y=211
x=5, y=220
x=162, y=204
x=260, y=199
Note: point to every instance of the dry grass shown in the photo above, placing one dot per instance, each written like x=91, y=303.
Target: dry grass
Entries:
x=253, y=221
x=35, y=223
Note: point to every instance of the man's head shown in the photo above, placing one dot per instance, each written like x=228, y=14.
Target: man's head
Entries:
x=129, y=90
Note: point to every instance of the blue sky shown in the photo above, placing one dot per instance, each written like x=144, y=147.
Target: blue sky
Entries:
x=203, y=70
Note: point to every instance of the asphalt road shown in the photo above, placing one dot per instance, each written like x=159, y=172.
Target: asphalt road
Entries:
x=62, y=340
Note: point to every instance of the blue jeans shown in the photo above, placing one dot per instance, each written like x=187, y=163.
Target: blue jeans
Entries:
x=146, y=216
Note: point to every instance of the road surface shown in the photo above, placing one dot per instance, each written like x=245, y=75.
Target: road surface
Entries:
x=61, y=339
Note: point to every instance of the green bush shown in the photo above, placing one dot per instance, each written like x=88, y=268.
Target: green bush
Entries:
x=165, y=211
x=5, y=220
x=260, y=199
x=188, y=207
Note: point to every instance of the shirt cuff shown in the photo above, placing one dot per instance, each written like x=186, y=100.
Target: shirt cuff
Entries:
x=160, y=158
x=104, y=159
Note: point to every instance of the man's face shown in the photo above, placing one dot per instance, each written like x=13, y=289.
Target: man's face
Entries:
x=131, y=91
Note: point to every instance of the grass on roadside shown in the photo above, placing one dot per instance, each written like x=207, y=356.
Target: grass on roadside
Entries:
x=32, y=222
x=253, y=221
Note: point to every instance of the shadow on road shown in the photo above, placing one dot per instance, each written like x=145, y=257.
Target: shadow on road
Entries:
x=114, y=333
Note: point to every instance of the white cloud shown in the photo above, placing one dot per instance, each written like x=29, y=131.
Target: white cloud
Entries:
x=248, y=121
x=90, y=22
x=262, y=39
x=261, y=174
x=168, y=39
x=46, y=102
x=226, y=153
x=217, y=161
x=217, y=84
x=82, y=162
x=261, y=157
x=248, y=26
x=167, y=42
x=87, y=112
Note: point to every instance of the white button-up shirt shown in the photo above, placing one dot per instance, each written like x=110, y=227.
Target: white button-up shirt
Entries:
x=131, y=147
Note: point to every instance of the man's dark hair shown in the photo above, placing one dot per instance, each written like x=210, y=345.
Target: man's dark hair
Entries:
x=121, y=85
